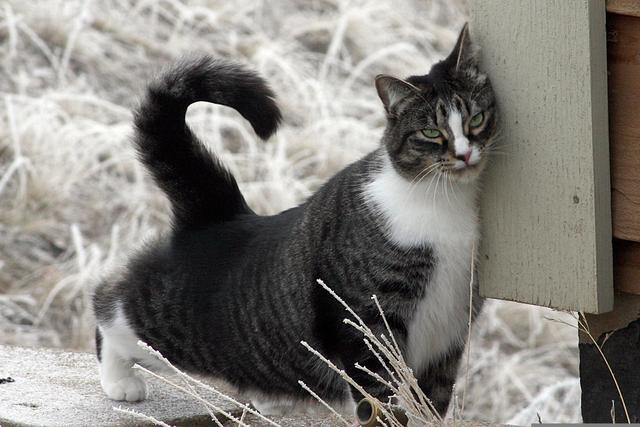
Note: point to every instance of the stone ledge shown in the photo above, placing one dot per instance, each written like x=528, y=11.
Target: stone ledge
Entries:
x=57, y=388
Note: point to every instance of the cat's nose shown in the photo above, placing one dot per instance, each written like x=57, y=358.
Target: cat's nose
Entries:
x=464, y=157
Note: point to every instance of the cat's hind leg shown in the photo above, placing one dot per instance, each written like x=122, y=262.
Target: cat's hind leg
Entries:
x=117, y=353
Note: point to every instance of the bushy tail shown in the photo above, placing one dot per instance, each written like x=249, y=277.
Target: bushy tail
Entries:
x=200, y=188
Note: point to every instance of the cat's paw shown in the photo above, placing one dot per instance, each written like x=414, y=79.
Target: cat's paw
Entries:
x=131, y=389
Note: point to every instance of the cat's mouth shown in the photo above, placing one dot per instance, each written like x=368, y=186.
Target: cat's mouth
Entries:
x=465, y=172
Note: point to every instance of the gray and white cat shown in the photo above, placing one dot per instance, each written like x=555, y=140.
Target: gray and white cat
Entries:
x=231, y=294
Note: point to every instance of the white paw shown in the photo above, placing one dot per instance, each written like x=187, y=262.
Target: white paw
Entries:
x=131, y=389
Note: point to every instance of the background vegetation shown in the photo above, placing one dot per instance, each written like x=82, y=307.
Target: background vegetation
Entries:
x=74, y=202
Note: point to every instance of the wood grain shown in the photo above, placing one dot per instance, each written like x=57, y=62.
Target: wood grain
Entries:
x=546, y=208
x=626, y=266
x=623, y=43
x=626, y=310
x=624, y=7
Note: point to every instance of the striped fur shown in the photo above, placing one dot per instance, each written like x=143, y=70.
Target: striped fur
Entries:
x=231, y=294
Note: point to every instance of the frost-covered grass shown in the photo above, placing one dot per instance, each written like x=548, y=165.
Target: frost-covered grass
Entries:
x=73, y=200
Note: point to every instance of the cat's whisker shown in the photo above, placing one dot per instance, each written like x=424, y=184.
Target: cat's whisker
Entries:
x=413, y=185
x=499, y=139
x=417, y=184
x=453, y=192
x=435, y=188
x=425, y=171
x=445, y=183
x=433, y=177
x=502, y=142
x=495, y=149
x=498, y=150
x=498, y=153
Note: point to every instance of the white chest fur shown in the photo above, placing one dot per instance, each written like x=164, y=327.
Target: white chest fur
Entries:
x=443, y=216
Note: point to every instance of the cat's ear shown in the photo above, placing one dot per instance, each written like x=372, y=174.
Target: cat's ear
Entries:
x=391, y=90
x=465, y=53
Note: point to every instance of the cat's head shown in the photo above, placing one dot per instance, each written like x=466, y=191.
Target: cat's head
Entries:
x=442, y=122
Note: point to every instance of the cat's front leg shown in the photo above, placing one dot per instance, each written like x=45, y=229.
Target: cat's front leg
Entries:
x=370, y=384
x=118, y=351
x=117, y=376
x=437, y=381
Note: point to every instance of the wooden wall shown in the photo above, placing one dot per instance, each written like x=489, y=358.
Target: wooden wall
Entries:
x=623, y=50
x=621, y=347
x=624, y=89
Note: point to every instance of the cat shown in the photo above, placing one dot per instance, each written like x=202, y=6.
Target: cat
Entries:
x=231, y=294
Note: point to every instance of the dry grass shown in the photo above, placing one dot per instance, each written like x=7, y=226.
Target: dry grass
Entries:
x=73, y=201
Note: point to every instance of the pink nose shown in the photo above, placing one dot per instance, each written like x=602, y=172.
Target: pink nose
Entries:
x=464, y=157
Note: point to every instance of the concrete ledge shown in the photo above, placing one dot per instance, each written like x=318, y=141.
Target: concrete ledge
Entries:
x=53, y=388
x=56, y=388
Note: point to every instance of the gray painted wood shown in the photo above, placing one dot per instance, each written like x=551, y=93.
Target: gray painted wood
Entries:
x=546, y=233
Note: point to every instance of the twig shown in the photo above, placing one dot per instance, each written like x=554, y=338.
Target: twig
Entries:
x=140, y=415
x=201, y=384
x=194, y=395
x=466, y=374
x=615, y=381
x=324, y=403
x=584, y=327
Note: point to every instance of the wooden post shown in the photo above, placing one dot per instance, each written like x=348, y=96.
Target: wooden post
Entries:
x=548, y=62
x=546, y=212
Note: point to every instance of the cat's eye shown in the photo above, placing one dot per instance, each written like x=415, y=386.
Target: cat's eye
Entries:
x=476, y=120
x=431, y=133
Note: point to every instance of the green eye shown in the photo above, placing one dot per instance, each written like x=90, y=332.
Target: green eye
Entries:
x=431, y=133
x=476, y=120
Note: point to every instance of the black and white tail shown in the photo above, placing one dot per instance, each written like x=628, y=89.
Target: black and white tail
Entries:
x=200, y=188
